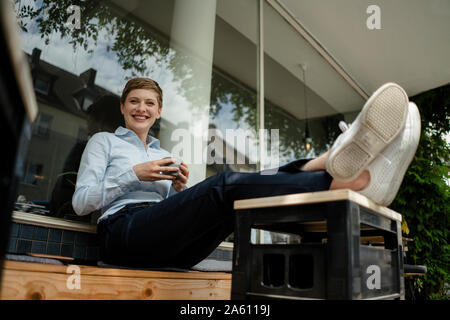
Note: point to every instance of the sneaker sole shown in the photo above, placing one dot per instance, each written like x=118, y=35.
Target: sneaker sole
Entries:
x=382, y=118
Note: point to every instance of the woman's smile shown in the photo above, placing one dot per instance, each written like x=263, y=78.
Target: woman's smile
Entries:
x=140, y=118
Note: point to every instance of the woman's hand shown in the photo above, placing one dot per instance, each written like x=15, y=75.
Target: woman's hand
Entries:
x=182, y=177
x=155, y=170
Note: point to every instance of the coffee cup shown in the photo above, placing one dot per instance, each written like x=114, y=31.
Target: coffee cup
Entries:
x=177, y=164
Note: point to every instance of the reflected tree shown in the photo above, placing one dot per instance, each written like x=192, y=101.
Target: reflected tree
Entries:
x=132, y=43
x=99, y=19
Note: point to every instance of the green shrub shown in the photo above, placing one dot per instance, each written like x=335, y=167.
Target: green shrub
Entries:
x=423, y=199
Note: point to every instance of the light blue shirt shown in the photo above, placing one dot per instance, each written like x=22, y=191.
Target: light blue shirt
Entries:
x=106, y=179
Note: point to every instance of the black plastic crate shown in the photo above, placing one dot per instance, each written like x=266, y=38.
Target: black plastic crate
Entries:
x=288, y=270
x=347, y=251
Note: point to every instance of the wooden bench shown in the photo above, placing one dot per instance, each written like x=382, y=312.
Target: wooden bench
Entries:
x=26, y=280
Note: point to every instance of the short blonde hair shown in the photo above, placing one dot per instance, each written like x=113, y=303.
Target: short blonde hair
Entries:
x=141, y=83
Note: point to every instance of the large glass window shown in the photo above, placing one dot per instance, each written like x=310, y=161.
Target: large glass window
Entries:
x=203, y=55
x=305, y=98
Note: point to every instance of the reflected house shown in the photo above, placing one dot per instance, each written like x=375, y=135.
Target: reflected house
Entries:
x=218, y=156
x=61, y=129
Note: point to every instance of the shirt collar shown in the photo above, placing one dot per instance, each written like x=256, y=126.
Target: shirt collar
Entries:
x=151, y=141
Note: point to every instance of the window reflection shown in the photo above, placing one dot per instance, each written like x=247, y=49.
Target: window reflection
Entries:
x=205, y=59
x=305, y=98
x=79, y=74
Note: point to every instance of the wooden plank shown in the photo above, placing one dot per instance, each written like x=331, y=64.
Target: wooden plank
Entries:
x=24, y=280
x=321, y=226
x=50, y=256
x=52, y=222
x=315, y=226
x=372, y=239
x=226, y=245
x=43, y=285
x=114, y=272
x=316, y=197
x=409, y=275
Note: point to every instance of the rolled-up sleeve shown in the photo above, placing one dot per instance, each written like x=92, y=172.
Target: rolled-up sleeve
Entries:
x=93, y=191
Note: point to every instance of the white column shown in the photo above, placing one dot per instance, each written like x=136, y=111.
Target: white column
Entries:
x=192, y=36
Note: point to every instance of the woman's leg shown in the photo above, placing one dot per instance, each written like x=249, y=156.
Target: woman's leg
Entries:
x=184, y=229
x=319, y=164
x=316, y=164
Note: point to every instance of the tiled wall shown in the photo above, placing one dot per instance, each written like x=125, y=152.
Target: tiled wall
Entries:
x=222, y=255
x=25, y=238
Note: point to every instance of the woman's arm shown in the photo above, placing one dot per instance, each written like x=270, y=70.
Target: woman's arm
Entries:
x=93, y=190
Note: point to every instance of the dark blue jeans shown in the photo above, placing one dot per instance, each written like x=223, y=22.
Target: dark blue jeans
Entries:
x=185, y=228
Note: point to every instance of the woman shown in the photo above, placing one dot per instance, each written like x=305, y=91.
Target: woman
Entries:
x=150, y=219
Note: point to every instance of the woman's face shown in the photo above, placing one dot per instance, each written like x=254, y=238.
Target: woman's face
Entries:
x=140, y=110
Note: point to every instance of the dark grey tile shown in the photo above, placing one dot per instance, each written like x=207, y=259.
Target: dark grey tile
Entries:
x=67, y=250
x=81, y=238
x=38, y=246
x=68, y=236
x=26, y=231
x=54, y=235
x=40, y=233
x=54, y=248
x=14, y=230
x=12, y=245
x=93, y=240
x=23, y=246
x=228, y=254
x=79, y=252
x=213, y=255
x=92, y=253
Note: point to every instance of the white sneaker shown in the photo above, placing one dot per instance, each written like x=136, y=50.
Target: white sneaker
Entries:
x=380, y=121
x=389, y=167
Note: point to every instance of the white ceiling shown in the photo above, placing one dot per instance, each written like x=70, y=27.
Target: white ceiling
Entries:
x=412, y=47
x=235, y=52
